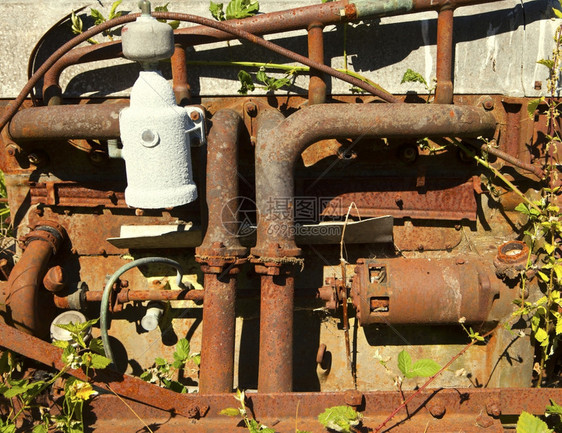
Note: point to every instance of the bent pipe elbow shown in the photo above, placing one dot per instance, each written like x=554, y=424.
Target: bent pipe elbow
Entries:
x=277, y=151
x=22, y=298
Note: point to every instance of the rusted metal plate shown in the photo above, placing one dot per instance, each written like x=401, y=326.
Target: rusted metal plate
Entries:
x=443, y=199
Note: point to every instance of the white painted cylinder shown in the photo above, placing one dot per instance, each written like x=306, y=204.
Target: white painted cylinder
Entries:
x=156, y=146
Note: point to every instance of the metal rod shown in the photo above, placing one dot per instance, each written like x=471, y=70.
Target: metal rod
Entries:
x=180, y=84
x=317, y=84
x=444, y=89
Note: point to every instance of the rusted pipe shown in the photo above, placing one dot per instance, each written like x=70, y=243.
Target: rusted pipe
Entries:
x=444, y=88
x=277, y=151
x=275, y=373
x=100, y=121
x=182, y=91
x=126, y=295
x=317, y=84
x=26, y=278
x=220, y=254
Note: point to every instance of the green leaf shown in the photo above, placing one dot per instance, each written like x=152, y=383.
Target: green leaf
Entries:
x=8, y=428
x=541, y=336
x=339, y=418
x=216, y=11
x=528, y=423
x=557, y=12
x=99, y=361
x=533, y=105
x=413, y=77
x=60, y=344
x=423, y=368
x=546, y=62
x=112, y=12
x=40, y=428
x=182, y=350
x=543, y=276
x=97, y=16
x=230, y=411
x=77, y=24
x=553, y=409
x=15, y=390
x=404, y=362
x=558, y=271
x=174, y=24
x=237, y=9
x=96, y=346
x=522, y=207
x=160, y=362
x=246, y=82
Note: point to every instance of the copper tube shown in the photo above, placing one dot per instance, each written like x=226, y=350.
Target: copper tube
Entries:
x=444, y=89
x=275, y=372
x=317, y=84
x=179, y=76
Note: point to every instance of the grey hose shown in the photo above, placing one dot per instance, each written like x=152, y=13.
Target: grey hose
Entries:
x=104, y=308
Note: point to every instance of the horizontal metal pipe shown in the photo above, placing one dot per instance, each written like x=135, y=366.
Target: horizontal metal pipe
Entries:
x=66, y=122
x=278, y=149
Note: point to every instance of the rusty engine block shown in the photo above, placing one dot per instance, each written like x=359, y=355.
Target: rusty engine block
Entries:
x=295, y=239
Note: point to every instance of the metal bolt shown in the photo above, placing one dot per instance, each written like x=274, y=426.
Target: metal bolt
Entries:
x=493, y=408
x=538, y=85
x=13, y=150
x=458, y=227
x=139, y=212
x=251, y=109
x=102, y=252
x=488, y=103
x=460, y=261
x=437, y=410
x=195, y=116
x=484, y=420
x=353, y=397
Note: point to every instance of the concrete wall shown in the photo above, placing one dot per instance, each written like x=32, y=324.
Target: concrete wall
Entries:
x=496, y=48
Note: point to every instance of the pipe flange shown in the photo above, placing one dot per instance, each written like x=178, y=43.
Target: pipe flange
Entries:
x=511, y=259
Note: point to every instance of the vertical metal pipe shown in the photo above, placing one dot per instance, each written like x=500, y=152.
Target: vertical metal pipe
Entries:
x=317, y=84
x=444, y=89
x=217, y=349
x=179, y=76
x=275, y=372
x=220, y=254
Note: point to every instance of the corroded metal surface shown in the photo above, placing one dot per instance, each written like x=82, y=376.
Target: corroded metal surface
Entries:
x=277, y=151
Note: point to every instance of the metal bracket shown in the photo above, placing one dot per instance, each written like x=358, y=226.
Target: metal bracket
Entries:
x=196, y=126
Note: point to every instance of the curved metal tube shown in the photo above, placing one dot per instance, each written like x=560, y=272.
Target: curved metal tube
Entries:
x=278, y=150
x=219, y=254
x=26, y=278
x=104, y=307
